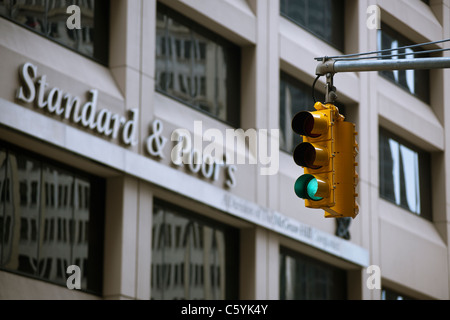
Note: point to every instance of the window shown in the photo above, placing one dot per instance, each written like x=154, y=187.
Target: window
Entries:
x=38, y=237
x=323, y=18
x=197, y=67
x=192, y=258
x=49, y=17
x=416, y=82
x=295, y=96
x=388, y=294
x=404, y=174
x=305, y=278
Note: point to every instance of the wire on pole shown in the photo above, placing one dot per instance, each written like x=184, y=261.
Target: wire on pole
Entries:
x=349, y=56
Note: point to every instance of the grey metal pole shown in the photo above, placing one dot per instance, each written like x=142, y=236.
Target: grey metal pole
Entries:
x=332, y=66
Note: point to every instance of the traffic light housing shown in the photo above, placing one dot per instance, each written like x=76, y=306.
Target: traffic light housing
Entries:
x=316, y=155
x=327, y=155
x=346, y=177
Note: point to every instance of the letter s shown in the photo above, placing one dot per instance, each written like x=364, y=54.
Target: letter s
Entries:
x=27, y=74
x=231, y=182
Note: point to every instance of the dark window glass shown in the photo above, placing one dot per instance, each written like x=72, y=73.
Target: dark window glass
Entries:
x=52, y=229
x=23, y=229
x=388, y=294
x=416, y=82
x=198, y=260
x=404, y=174
x=49, y=18
x=196, y=66
x=295, y=96
x=23, y=193
x=4, y=8
x=33, y=235
x=323, y=18
x=305, y=278
x=34, y=192
x=34, y=230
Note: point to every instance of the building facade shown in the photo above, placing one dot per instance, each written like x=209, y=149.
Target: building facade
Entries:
x=146, y=151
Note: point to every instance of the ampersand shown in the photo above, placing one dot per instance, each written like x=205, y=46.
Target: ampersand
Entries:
x=155, y=142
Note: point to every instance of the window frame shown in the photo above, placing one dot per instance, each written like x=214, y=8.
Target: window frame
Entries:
x=233, y=105
x=101, y=22
x=232, y=238
x=94, y=273
x=424, y=158
x=340, y=43
x=312, y=261
x=404, y=41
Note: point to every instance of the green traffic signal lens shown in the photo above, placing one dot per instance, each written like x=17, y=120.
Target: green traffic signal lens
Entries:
x=312, y=188
x=306, y=187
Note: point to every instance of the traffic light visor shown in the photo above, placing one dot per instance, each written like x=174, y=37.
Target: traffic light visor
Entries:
x=311, y=156
x=310, y=124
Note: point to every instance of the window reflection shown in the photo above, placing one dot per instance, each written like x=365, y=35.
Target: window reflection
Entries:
x=44, y=219
x=190, y=67
x=19, y=250
x=194, y=68
x=188, y=258
x=49, y=18
x=29, y=13
x=82, y=39
x=79, y=235
x=55, y=254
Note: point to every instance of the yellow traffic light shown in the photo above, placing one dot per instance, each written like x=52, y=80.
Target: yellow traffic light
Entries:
x=316, y=155
x=327, y=155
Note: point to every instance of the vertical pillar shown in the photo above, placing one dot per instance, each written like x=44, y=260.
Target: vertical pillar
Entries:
x=121, y=228
x=368, y=153
x=125, y=51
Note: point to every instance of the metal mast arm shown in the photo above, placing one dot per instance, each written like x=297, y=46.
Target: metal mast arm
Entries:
x=334, y=66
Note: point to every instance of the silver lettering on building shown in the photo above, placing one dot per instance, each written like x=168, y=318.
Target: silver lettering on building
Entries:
x=33, y=90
